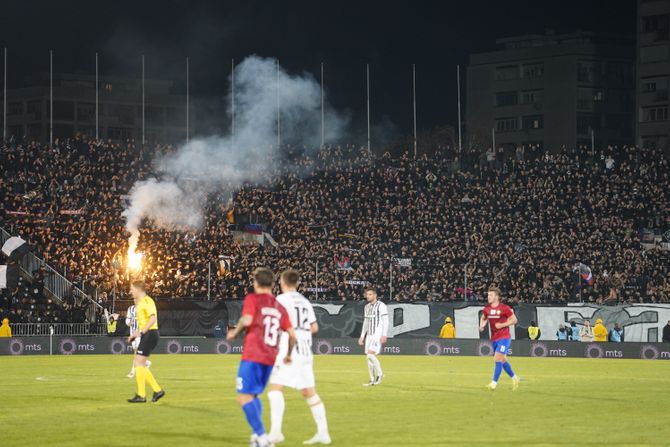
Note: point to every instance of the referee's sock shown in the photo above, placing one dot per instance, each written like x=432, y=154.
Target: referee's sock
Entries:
x=508, y=369
x=140, y=378
x=150, y=380
x=252, y=412
x=497, y=371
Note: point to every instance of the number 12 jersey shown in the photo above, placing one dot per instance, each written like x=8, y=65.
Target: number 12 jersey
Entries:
x=269, y=317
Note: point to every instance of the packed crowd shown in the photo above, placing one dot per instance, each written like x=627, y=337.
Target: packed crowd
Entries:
x=438, y=228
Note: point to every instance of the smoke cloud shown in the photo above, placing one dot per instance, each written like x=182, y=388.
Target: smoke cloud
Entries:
x=175, y=198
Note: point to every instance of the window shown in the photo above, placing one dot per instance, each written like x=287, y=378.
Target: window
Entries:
x=15, y=108
x=659, y=113
x=154, y=116
x=507, y=124
x=64, y=111
x=119, y=133
x=587, y=98
x=35, y=109
x=125, y=114
x=648, y=87
x=506, y=99
x=533, y=122
x=588, y=71
x=532, y=71
x=507, y=72
x=658, y=24
x=532, y=96
x=85, y=112
x=620, y=122
x=586, y=122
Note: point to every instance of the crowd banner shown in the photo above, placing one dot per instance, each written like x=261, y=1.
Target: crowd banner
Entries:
x=64, y=345
x=337, y=319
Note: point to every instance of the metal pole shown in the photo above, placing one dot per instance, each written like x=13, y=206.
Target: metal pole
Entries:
x=593, y=142
x=367, y=75
x=187, y=102
x=278, y=109
x=458, y=86
x=209, y=280
x=493, y=138
x=323, y=115
x=232, y=99
x=465, y=282
x=316, y=279
x=51, y=97
x=143, y=99
x=4, y=100
x=391, y=280
x=97, y=91
x=414, y=103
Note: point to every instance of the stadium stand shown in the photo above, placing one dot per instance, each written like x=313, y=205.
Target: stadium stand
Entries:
x=522, y=221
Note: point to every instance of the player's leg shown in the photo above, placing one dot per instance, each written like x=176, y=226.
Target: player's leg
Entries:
x=143, y=376
x=374, y=349
x=135, y=343
x=508, y=369
x=140, y=379
x=499, y=351
x=318, y=410
x=251, y=380
x=277, y=408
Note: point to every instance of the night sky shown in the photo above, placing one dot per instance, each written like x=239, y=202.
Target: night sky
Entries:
x=345, y=35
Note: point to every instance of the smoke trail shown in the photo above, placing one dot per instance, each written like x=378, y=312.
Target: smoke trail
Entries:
x=175, y=199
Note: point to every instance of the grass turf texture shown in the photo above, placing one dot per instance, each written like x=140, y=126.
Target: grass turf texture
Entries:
x=80, y=400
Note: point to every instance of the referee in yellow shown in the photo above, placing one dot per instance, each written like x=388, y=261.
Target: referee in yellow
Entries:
x=147, y=319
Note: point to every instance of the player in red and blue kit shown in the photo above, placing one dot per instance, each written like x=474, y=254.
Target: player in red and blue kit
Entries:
x=263, y=317
x=500, y=317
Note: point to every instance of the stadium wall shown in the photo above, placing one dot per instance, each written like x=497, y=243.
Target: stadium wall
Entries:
x=338, y=346
x=341, y=319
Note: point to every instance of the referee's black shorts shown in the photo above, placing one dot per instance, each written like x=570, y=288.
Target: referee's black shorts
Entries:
x=148, y=343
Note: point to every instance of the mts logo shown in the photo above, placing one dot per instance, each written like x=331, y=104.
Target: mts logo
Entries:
x=391, y=350
x=86, y=347
x=237, y=349
x=664, y=355
x=32, y=347
x=558, y=353
x=614, y=354
x=341, y=349
x=451, y=350
x=190, y=348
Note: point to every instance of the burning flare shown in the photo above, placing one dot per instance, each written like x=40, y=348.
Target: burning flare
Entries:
x=134, y=257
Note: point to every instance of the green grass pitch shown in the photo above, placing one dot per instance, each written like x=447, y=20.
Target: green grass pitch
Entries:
x=80, y=400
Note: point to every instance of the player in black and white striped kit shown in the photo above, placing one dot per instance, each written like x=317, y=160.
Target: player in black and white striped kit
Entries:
x=374, y=334
x=131, y=322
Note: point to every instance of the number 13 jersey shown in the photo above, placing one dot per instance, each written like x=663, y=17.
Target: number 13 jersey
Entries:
x=269, y=318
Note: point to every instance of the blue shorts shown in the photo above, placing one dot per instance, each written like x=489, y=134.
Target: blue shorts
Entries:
x=252, y=377
x=502, y=346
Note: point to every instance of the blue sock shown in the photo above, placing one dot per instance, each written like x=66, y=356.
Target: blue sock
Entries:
x=508, y=369
x=258, y=404
x=497, y=371
x=253, y=414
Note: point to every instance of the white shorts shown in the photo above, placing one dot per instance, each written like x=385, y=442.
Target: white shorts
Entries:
x=135, y=343
x=373, y=344
x=298, y=375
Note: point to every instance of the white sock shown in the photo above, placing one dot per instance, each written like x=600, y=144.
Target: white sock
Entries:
x=277, y=405
x=318, y=413
x=132, y=370
x=377, y=366
x=371, y=368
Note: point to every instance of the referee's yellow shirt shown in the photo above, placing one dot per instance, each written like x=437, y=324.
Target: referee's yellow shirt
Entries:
x=145, y=309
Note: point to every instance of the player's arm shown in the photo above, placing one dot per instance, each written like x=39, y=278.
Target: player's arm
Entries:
x=291, y=344
x=384, y=321
x=364, y=330
x=243, y=323
x=143, y=330
x=482, y=322
x=314, y=327
x=511, y=321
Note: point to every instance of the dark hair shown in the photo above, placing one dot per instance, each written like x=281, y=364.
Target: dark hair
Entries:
x=495, y=290
x=264, y=277
x=291, y=277
x=138, y=284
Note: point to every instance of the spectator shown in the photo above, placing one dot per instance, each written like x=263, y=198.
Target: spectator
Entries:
x=534, y=332
x=448, y=330
x=666, y=333
x=111, y=324
x=599, y=331
x=5, y=329
x=586, y=332
x=562, y=333
x=574, y=331
x=616, y=334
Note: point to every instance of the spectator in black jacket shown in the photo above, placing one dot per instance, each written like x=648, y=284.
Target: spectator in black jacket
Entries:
x=666, y=333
